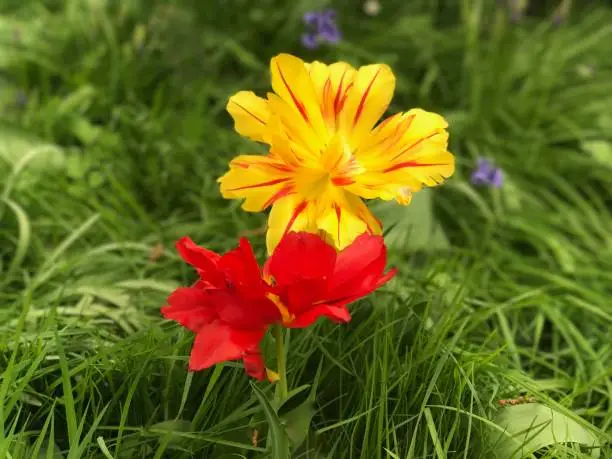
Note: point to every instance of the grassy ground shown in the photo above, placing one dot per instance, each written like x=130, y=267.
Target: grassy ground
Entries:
x=112, y=135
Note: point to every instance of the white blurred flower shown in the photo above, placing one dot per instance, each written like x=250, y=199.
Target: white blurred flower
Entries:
x=371, y=7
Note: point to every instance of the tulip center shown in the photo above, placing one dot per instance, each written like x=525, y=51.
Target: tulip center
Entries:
x=336, y=167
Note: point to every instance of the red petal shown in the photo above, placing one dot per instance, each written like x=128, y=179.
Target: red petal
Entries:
x=217, y=342
x=310, y=316
x=359, y=269
x=302, y=294
x=254, y=365
x=386, y=278
x=243, y=312
x=191, y=307
x=204, y=260
x=241, y=269
x=301, y=255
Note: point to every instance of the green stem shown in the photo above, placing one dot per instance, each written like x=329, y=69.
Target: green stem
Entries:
x=280, y=362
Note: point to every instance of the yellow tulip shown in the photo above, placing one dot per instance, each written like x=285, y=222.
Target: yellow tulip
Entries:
x=326, y=152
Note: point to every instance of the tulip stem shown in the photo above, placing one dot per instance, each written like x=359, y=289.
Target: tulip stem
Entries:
x=280, y=362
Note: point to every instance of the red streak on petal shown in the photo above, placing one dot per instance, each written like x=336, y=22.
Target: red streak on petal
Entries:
x=396, y=133
x=262, y=184
x=298, y=210
x=296, y=101
x=326, y=107
x=278, y=167
x=386, y=121
x=361, y=216
x=249, y=113
x=363, y=98
x=423, y=139
x=337, y=101
x=409, y=121
x=346, y=93
x=342, y=181
x=338, y=210
x=411, y=164
x=285, y=191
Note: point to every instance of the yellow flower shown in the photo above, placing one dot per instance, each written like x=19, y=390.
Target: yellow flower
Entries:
x=325, y=152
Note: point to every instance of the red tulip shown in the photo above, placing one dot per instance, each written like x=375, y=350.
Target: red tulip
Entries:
x=227, y=308
x=311, y=279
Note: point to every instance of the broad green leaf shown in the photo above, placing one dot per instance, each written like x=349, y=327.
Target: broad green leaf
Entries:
x=511, y=195
x=296, y=414
x=16, y=145
x=168, y=430
x=279, y=447
x=28, y=156
x=533, y=426
x=600, y=151
x=297, y=422
x=295, y=398
x=84, y=130
x=412, y=227
x=172, y=425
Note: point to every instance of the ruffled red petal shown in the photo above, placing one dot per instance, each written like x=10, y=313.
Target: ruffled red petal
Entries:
x=299, y=256
x=191, y=307
x=218, y=342
x=359, y=270
x=204, y=260
x=310, y=316
x=254, y=365
x=240, y=267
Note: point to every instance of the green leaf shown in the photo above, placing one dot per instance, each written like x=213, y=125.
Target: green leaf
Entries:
x=279, y=447
x=297, y=422
x=23, y=240
x=172, y=425
x=84, y=130
x=294, y=399
x=600, y=151
x=533, y=426
x=17, y=145
x=511, y=195
x=168, y=430
x=296, y=414
x=412, y=227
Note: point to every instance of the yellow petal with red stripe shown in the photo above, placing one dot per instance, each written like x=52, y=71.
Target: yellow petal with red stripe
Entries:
x=424, y=124
x=280, y=145
x=332, y=83
x=422, y=152
x=429, y=166
x=250, y=114
x=291, y=213
x=260, y=180
x=402, y=154
x=292, y=83
x=305, y=144
x=345, y=218
x=367, y=100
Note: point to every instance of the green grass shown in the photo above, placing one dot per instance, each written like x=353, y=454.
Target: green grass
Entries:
x=118, y=149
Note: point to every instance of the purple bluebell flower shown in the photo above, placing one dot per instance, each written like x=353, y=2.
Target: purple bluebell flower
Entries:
x=323, y=28
x=486, y=174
